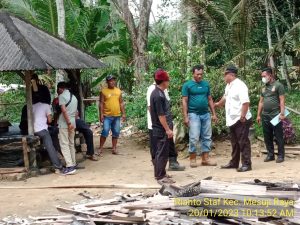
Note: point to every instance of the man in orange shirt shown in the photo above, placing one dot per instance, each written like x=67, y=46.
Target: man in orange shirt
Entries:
x=111, y=110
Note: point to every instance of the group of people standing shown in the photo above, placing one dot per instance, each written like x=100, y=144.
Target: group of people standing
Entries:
x=57, y=132
x=198, y=110
x=196, y=103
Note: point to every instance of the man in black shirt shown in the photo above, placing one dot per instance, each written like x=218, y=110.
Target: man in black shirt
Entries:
x=162, y=125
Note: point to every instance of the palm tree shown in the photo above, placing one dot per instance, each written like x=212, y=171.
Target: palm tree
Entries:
x=61, y=27
x=269, y=36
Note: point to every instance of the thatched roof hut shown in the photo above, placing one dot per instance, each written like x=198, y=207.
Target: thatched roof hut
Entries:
x=25, y=47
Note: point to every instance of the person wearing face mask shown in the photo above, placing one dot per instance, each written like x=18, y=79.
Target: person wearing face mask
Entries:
x=238, y=119
x=271, y=104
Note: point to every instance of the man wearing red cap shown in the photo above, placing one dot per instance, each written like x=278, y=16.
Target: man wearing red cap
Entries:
x=162, y=125
x=173, y=163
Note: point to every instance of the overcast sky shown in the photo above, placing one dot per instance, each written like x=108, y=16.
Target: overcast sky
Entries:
x=171, y=12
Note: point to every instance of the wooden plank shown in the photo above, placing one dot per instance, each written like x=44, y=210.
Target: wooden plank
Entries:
x=25, y=153
x=212, y=186
x=12, y=170
x=65, y=210
x=111, y=221
x=162, y=205
x=287, y=151
x=112, y=186
x=293, y=110
x=119, y=214
x=50, y=217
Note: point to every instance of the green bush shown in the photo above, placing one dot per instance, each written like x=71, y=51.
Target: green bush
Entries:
x=14, y=101
x=292, y=100
x=91, y=113
x=136, y=106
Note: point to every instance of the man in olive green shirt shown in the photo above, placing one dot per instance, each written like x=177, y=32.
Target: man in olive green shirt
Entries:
x=270, y=105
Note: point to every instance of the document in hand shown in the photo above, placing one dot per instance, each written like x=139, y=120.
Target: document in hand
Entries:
x=276, y=119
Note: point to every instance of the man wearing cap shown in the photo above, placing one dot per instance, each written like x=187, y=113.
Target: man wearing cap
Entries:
x=162, y=125
x=238, y=119
x=111, y=109
x=196, y=99
x=173, y=163
x=271, y=104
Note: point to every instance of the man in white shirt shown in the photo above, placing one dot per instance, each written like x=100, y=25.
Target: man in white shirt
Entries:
x=238, y=119
x=173, y=163
x=42, y=116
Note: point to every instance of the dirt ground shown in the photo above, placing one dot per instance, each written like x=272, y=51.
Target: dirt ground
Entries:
x=133, y=166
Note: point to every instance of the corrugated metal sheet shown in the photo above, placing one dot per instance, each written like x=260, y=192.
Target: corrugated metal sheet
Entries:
x=26, y=47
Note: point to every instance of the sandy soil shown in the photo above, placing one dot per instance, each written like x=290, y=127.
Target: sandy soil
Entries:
x=132, y=167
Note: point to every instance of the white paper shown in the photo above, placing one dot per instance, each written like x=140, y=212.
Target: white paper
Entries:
x=276, y=119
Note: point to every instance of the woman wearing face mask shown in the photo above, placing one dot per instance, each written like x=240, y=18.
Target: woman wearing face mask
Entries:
x=270, y=105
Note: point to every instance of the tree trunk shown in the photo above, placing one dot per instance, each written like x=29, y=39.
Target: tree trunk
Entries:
x=189, y=35
x=138, y=33
x=60, y=18
x=269, y=37
x=61, y=24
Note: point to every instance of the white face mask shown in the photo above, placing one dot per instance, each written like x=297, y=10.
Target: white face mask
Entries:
x=265, y=80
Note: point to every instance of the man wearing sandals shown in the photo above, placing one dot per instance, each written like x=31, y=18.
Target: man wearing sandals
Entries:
x=84, y=128
x=111, y=110
x=162, y=125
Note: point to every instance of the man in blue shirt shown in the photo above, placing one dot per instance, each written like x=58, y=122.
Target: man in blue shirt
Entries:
x=196, y=99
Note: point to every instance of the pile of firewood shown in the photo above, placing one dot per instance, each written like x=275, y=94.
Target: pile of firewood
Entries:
x=204, y=202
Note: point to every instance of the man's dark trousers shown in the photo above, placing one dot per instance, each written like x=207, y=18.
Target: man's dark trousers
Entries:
x=83, y=128
x=240, y=143
x=53, y=130
x=161, y=156
x=153, y=147
x=269, y=132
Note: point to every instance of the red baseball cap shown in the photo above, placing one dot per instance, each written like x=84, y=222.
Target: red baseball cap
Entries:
x=162, y=75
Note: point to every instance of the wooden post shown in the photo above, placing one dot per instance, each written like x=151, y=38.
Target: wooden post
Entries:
x=25, y=153
x=81, y=97
x=29, y=101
